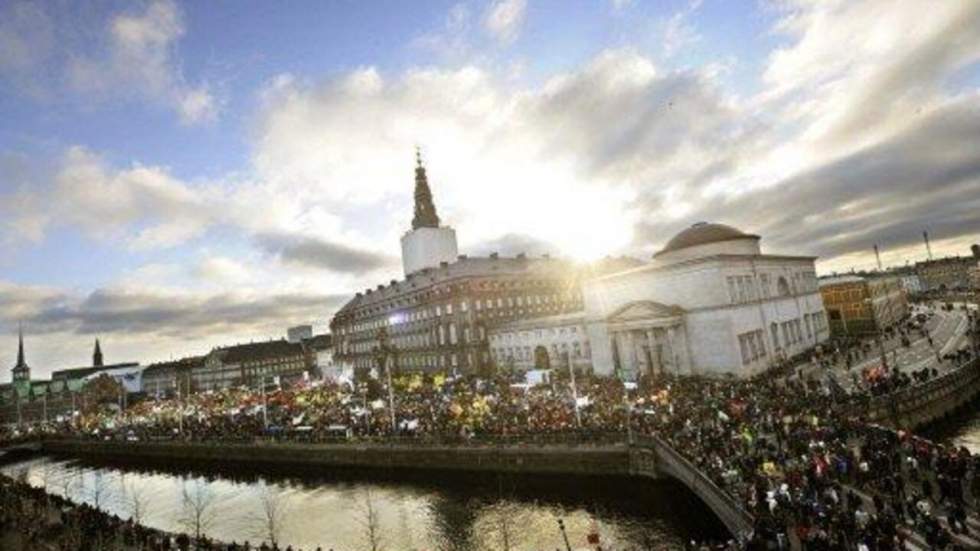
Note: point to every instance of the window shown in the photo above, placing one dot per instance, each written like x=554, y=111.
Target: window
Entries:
x=782, y=287
x=732, y=293
x=744, y=347
x=775, y=335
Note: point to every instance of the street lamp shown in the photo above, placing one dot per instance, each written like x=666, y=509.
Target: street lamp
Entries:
x=571, y=374
x=384, y=353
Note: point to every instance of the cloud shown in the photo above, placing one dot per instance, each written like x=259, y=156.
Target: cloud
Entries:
x=926, y=177
x=146, y=206
x=678, y=31
x=27, y=42
x=140, y=312
x=318, y=253
x=545, y=155
x=46, y=50
x=504, y=18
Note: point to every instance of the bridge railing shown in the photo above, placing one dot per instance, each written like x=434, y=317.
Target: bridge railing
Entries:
x=739, y=521
x=911, y=398
x=578, y=439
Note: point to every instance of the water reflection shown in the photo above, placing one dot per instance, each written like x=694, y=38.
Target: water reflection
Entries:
x=962, y=429
x=347, y=510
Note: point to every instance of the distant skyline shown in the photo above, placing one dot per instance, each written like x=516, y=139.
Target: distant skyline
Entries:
x=179, y=175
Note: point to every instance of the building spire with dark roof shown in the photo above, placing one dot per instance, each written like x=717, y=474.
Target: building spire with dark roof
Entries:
x=21, y=372
x=20, y=348
x=97, y=355
x=425, y=209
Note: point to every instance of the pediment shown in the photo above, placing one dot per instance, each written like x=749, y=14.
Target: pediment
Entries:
x=644, y=310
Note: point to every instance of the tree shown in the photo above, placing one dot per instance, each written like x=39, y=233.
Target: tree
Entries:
x=100, y=492
x=197, y=507
x=136, y=499
x=370, y=521
x=272, y=516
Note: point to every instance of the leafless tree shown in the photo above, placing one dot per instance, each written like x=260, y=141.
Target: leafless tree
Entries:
x=197, y=507
x=137, y=500
x=370, y=521
x=100, y=491
x=68, y=483
x=272, y=516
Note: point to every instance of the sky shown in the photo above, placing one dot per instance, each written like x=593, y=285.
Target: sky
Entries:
x=176, y=176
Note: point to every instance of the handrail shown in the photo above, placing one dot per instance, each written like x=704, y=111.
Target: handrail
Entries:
x=745, y=518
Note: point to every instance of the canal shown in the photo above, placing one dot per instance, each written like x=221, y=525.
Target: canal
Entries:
x=348, y=510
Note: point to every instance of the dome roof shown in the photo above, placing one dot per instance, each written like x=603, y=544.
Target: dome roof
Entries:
x=703, y=233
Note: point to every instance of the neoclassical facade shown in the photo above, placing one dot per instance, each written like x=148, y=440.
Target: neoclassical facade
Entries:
x=709, y=303
x=549, y=342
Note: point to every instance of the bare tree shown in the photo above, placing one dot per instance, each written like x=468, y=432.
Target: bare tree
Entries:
x=100, y=491
x=370, y=521
x=272, y=516
x=68, y=483
x=137, y=500
x=197, y=504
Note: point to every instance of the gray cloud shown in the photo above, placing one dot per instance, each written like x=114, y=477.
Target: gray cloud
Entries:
x=109, y=311
x=928, y=176
x=319, y=253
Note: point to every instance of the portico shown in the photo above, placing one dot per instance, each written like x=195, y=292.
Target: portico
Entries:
x=648, y=338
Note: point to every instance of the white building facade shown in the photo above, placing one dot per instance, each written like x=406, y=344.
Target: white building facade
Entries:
x=710, y=303
x=550, y=342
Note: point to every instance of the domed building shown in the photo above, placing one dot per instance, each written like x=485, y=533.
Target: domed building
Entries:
x=710, y=302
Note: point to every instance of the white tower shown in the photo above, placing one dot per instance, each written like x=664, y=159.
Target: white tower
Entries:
x=427, y=244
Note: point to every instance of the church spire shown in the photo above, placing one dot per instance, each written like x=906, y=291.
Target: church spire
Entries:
x=20, y=349
x=97, y=355
x=21, y=372
x=425, y=209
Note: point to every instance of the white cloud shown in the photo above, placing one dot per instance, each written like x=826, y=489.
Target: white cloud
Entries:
x=504, y=18
x=143, y=205
x=137, y=59
x=678, y=31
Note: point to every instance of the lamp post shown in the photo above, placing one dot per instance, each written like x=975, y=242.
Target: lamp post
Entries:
x=561, y=526
x=384, y=354
x=571, y=374
x=629, y=414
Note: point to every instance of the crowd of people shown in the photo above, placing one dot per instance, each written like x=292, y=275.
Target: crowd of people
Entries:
x=792, y=451
x=33, y=520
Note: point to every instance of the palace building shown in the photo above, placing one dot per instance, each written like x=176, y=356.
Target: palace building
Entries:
x=438, y=316
x=709, y=303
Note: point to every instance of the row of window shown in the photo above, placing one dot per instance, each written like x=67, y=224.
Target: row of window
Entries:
x=445, y=289
x=421, y=361
x=538, y=333
x=747, y=288
x=514, y=301
x=783, y=334
x=503, y=354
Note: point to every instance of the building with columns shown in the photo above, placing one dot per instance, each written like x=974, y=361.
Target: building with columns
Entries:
x=550, y=342
x=710, y=303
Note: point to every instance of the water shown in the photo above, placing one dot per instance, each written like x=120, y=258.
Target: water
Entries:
x=963, y=429
x=423, y=512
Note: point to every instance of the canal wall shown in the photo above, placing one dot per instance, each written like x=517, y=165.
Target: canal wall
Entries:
x=563, y=460
x=649, y=457
x=915, y=407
